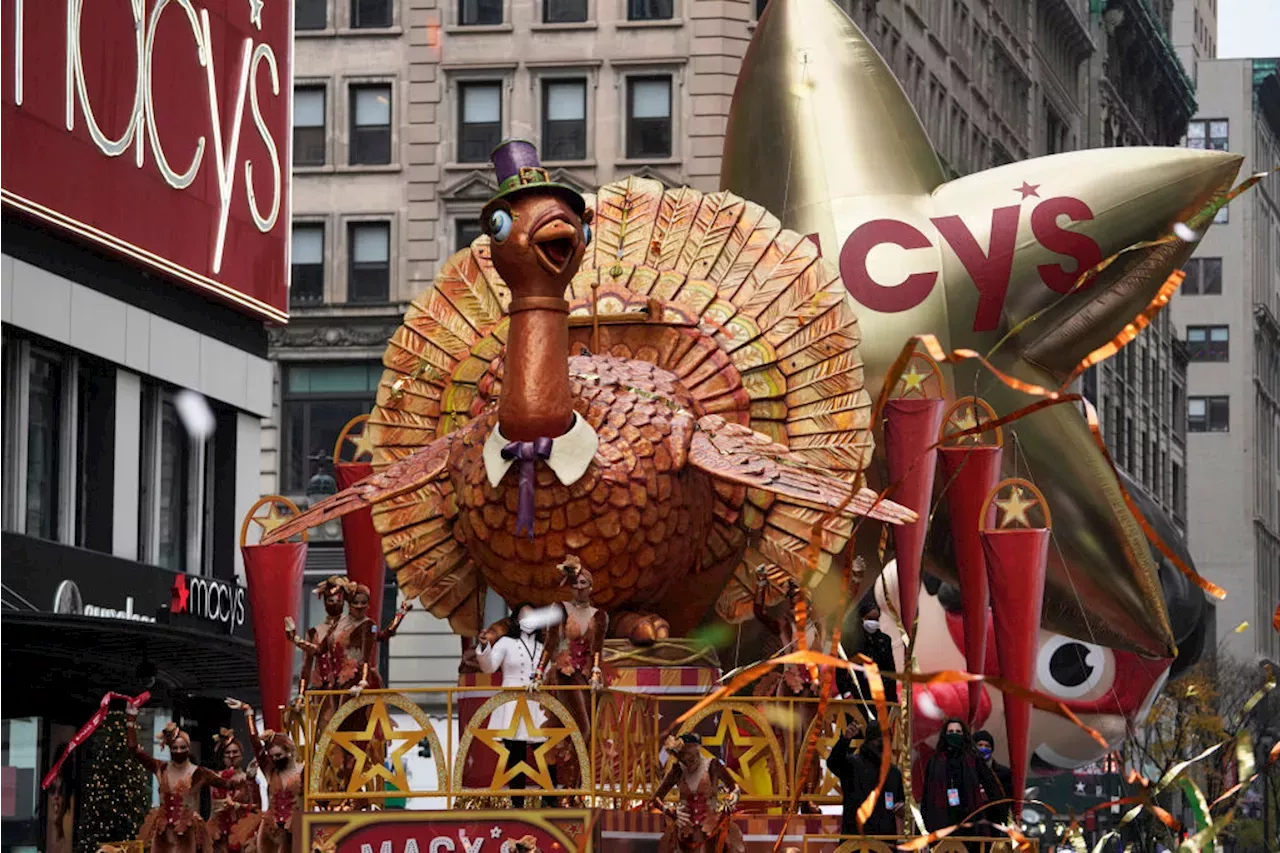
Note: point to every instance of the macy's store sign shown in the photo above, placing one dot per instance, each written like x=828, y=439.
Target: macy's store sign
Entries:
x=214, y=601
x=159, y=129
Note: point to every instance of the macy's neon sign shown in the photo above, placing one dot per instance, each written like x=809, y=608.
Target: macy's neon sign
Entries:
x=142, y=129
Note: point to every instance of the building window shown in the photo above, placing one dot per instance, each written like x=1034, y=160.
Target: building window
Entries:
x=310, y=14
x=1221, y=215
x=370, y=125
x=318, y=401
x=45, y=377
x=760, y=7
x=1208, y=343
x=173, y=481
x=564, y=120
x=648, y=118
x=308, y=126
x=465, y=231
x=1204, y=277
x=650, y=10
x=480, y=13
x=306, y=285
x=370, y=14
x=1208, y=414
x=564, y=11
x=370, y=268
x=480, y=125
x=1210, y=134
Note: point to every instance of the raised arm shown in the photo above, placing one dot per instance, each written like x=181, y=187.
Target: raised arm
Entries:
x=139, y=754
x=838, y=760
x=259, y=748
x=205, y=776
x=391, y=629
x=490, y=655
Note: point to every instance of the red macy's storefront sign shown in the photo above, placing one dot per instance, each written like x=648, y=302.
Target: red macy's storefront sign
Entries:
x=159, y=129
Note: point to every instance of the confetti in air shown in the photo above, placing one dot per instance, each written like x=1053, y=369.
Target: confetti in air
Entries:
x=1185, y=232
x=196, y=416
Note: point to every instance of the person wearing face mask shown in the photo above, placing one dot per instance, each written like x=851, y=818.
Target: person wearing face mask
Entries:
x=957, y=782
x=985, y=744
x=876, y=645
x=175, y=825
x=516, y=654
x=858, y=772
x=277, y=757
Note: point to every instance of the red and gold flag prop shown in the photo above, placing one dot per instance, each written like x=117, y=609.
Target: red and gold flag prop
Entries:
x=361, y=544
x=1017, y=551
x=970, y=470
x=274, y=575
x=87, y=730
x=911, y=420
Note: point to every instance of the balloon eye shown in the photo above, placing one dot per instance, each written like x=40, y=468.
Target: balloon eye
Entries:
x=586, y=235
x=500, y=225
x=1071, y=669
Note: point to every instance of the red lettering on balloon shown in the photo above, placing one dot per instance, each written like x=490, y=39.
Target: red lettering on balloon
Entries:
x=886, y=299
x=989, y=270
x=1055, y=238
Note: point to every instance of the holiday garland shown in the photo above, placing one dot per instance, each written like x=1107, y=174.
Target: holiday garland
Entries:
x=114, y=792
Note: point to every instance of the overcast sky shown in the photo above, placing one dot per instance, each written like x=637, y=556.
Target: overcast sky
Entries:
x=1248, y=28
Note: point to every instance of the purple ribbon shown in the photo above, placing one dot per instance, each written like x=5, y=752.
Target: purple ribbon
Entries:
x=527, y=453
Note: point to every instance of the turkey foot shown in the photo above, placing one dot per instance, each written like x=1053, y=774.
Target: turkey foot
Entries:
x=642, y=629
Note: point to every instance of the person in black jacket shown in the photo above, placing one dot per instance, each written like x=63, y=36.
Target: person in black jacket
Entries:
x=957, y=782
x=986, y=744
x=876, y=645
x=858, y=773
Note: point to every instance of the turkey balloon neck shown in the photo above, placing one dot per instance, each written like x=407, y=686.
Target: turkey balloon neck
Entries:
x=536, y=399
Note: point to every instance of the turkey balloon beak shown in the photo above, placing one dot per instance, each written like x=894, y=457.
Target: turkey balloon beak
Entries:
x=554, y=243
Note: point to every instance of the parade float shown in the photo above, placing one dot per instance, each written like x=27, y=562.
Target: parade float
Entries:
x=645, y=414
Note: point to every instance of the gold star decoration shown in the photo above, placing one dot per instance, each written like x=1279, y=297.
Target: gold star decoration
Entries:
x=1014, y=507
x=496, y=739
x=729, y=728
x=349, y=740
x=363, y=444
x=272, y=519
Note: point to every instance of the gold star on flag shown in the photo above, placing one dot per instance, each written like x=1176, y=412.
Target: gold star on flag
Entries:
x=272, y=520
x=363, y=444
x=730, y=728
x=496, y=739
x=379, y=719
x=1015, y=508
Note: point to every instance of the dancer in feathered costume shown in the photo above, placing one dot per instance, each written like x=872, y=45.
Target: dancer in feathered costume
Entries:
x=277, y=759
x=241, y=801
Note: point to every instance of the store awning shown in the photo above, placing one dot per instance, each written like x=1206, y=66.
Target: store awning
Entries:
x=51, y=657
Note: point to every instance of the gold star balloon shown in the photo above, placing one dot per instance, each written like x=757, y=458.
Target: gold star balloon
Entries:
x=821, y=134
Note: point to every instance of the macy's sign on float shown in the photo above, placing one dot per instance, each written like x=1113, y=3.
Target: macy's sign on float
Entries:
x=160, y=129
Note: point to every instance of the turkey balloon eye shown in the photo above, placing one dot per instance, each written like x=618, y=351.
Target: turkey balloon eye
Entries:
x=586, y=234
x=500, y=225
x=1070, y=668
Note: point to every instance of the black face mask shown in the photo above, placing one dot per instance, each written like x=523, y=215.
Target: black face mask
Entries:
x=954, y=740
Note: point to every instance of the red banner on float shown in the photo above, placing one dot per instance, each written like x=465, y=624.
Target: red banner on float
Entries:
x=1016, y=568
x=910, y=430
x=274, y=573
x=361, y=544
x=970, y=473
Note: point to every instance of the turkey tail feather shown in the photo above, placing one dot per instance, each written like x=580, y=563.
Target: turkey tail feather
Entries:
x=404, y=476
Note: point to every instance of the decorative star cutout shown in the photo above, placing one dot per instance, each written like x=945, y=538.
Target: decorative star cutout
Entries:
x=379, y=723
x=1079, y=787
x=966, y=262
x=363, y=444
x=1015, y=508
x=255, y=12
x=272, y=520
x=1028, y=190
x=496, y=739
x=730, y=731
x=913, y=380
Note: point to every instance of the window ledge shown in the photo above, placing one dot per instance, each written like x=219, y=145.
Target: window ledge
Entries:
x=327, y=32
x=394, y=30
x=565, y=26
x=463, y=29
x=661, y=24
x=468, y=167
x=634, y=164
x=322, y=169
x=570, y=164
x=357, y=168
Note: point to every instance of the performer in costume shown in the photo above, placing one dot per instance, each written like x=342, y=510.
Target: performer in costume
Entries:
x=277, y=758
x=175, y=825
x=697, y=822
x=791, y=681
x=516, y=654
x=242, y=800
x=366, y=636
x=573, y=650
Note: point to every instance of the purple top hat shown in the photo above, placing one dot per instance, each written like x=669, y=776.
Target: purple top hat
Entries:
x=519, y=170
